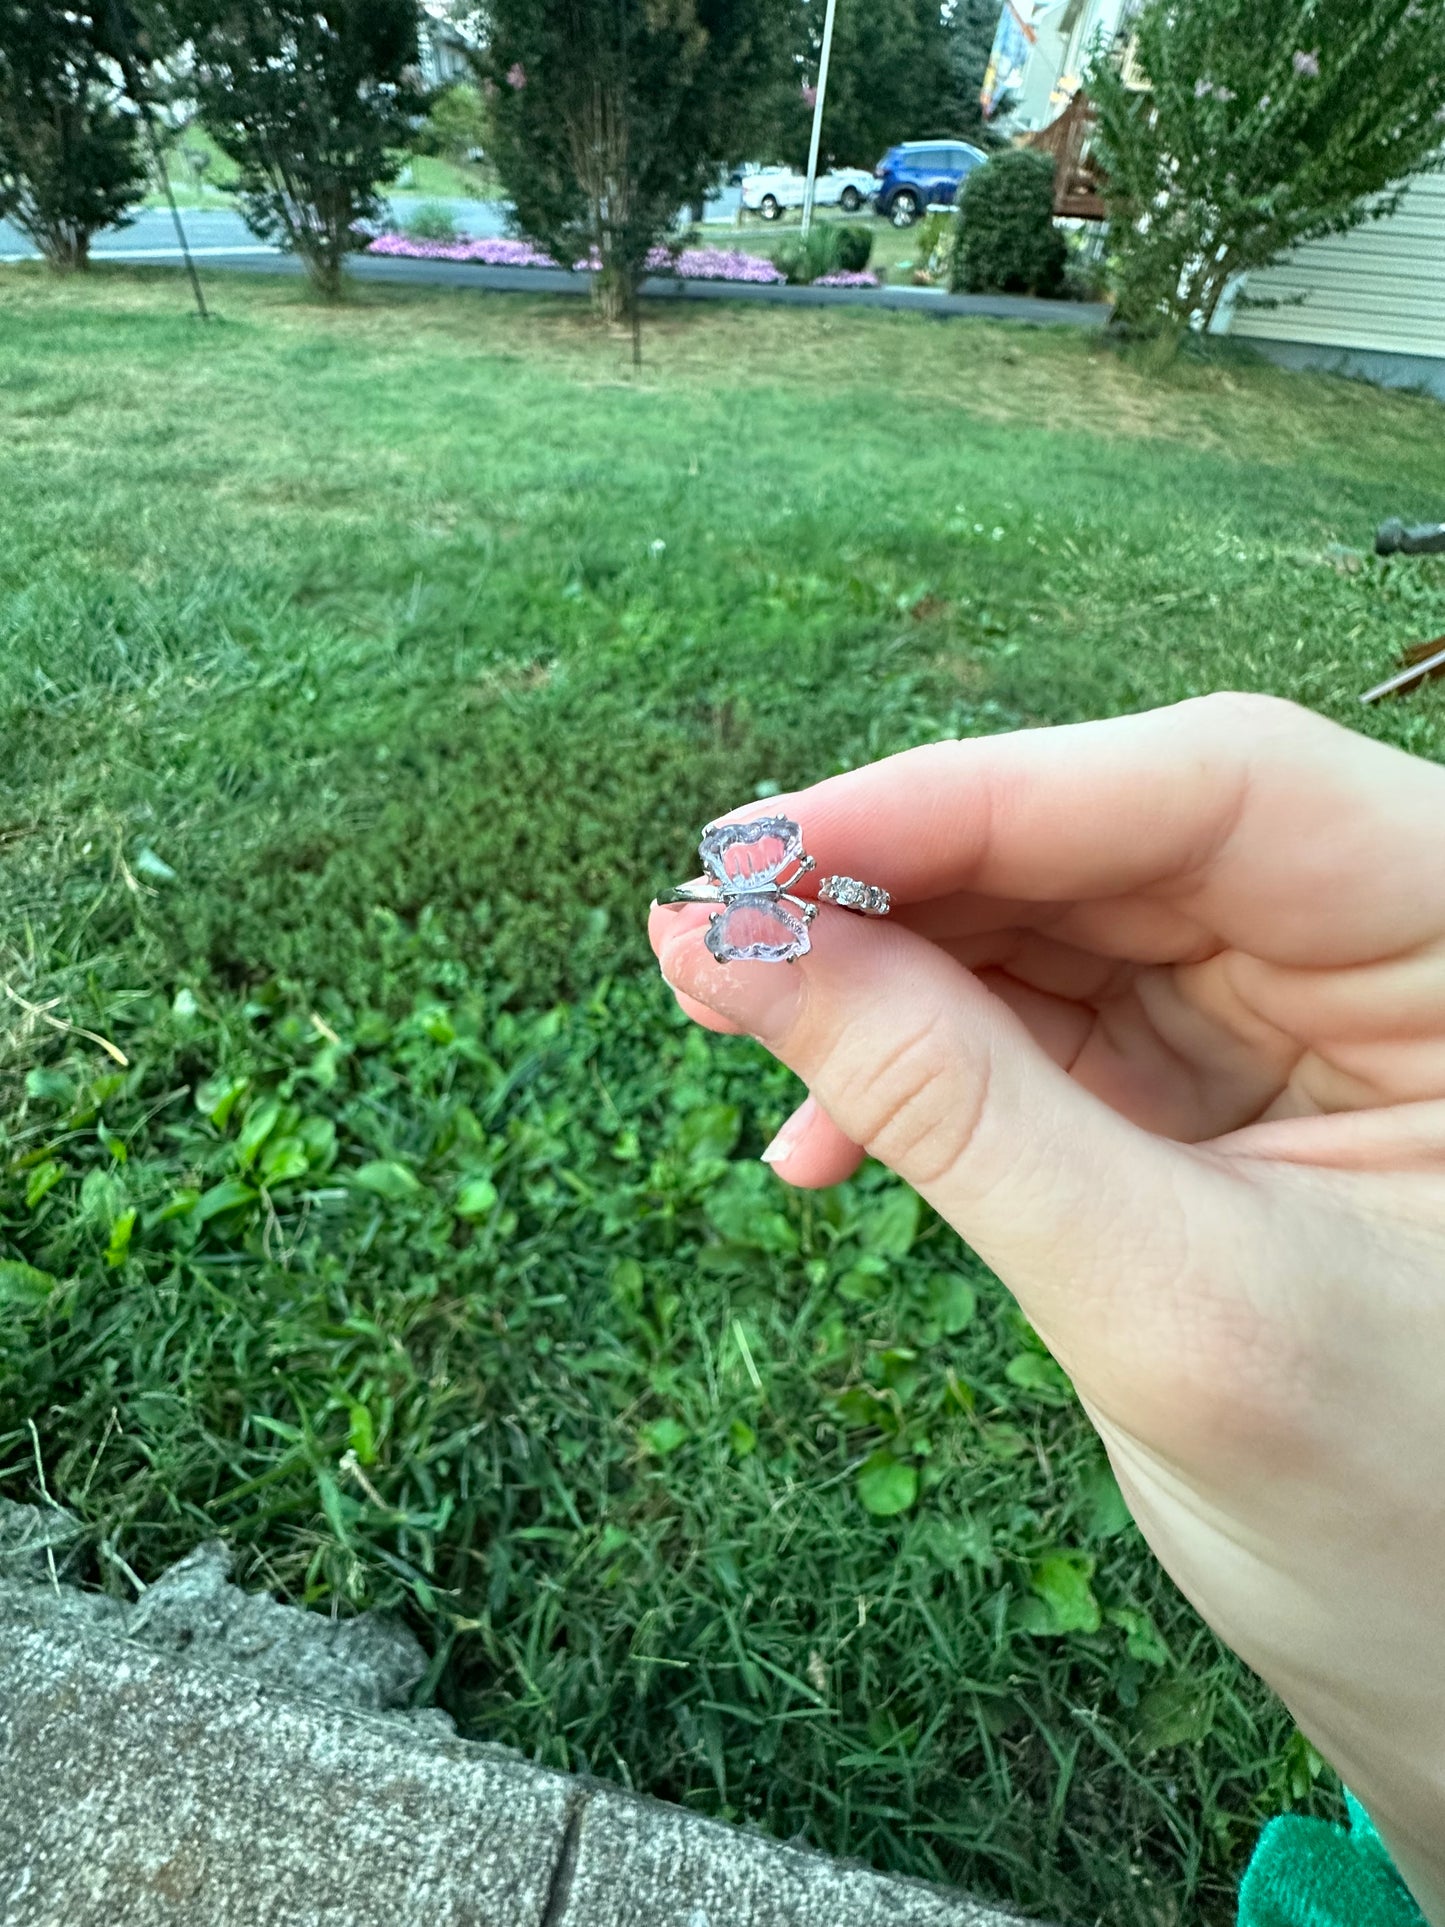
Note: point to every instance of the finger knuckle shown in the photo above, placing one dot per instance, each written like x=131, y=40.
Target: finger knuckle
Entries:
x=1238, y=713
x=910, y=1111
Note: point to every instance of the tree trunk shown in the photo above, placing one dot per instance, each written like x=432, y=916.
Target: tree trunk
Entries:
x=614, y=294
x=323, y=271
x=66, y=249
x=324, y=259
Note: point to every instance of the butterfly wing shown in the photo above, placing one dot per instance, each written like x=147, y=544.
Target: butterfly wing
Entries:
x=758, y=929
x=741, y=856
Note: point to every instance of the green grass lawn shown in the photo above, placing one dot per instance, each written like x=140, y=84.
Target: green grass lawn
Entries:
x=364, y=672
x=423, y=176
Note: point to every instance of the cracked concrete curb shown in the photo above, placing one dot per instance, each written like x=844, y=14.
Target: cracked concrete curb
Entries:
x=209, y=1758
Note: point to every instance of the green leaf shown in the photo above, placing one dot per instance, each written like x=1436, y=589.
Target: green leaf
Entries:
x=227, y=1196
x=1061, y=1580
x=42, y=1180
x=860, y=1405
x=101, y=1198
x=886, y=1485
x=664, y=1435
x=387, y=1180
x=742, y=1438
x=261, y=1121
x=1037, y=1372
x=52, y=1087
x=892, y=1223
x=860, y=1287
x=476, y=1198
x=628, y=1284
x=180, y=1204
x=283, y=1159
x=318, y=1134
x=1105, y=1513
x=1174, y=1713
x=952, y=1300
x=709, y=1131
x=334, y=1506
x=1141, y=1637
x=23, y=1285
x=117, y=1251
x=743, y=1208
x=1004, y=1441
x=362, y=1435
x=216, y=1098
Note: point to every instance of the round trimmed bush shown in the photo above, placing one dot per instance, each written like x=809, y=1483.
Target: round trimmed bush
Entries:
x=855, y=249
x=1005, y=241
x=432, y=222
x=802, y=261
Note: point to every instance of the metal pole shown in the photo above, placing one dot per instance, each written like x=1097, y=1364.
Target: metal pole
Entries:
x=141, y=100
x=158, y=161
x=821, y=95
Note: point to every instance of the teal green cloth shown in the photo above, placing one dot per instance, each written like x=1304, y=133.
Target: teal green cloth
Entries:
x=1306, y=1873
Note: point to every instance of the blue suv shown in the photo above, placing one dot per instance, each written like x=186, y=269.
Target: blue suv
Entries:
x=921, y=174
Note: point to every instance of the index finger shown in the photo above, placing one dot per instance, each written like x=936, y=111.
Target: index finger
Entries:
x=1278, y=830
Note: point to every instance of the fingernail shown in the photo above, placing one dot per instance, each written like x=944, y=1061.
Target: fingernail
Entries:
x=762, y=998
x=788, y=1139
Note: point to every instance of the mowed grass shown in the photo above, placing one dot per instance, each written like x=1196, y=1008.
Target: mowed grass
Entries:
x=364, y=673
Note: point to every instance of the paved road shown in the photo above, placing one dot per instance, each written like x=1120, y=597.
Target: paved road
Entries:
x=220, y=239
x=464, y=274
x=211, y=229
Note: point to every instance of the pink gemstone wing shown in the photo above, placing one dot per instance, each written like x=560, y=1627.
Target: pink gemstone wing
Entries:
x=758, y=930
x=742, y=856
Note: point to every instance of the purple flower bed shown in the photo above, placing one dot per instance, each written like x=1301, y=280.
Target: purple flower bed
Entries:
x=689, y=264
x=497, y=252
x=846, y=278
x=714, y=264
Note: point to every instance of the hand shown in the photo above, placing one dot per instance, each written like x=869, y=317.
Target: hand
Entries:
x=1159, y=1026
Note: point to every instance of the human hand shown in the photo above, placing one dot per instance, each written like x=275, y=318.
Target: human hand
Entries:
x=1158, y=1024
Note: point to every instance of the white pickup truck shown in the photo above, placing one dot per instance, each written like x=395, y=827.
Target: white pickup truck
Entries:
x=772, y=190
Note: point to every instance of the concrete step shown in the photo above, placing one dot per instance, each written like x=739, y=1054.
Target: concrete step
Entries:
x=205, y=1757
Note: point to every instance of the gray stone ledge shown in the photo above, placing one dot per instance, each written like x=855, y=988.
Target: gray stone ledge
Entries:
x=208, y=1758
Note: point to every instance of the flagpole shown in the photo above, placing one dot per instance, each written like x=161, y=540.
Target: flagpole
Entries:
x=819, y=98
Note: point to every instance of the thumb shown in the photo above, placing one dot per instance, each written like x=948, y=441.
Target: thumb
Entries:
x=914, y=1060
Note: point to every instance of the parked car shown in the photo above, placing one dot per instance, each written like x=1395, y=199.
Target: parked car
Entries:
x=770, y=192
x=917, y=175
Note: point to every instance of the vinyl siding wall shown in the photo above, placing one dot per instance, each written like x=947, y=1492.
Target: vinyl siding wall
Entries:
x=1380, y=287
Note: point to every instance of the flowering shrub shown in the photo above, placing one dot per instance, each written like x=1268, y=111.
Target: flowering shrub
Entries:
x=848, y=278
x=1260, y=127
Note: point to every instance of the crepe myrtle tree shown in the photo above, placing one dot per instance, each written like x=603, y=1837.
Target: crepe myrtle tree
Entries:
x=70, y=153
x=314, y=101
x=608, y=116
x=1259, y=124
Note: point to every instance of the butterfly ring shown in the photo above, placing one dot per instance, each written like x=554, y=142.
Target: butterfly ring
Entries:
x=750, y=870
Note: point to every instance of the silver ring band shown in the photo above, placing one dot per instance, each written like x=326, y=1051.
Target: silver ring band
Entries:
x=868, y=899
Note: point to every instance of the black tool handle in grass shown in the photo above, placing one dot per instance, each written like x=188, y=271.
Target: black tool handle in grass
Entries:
x=1393, y=538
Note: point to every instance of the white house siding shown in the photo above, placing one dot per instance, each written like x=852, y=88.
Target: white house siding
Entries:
x=1378, y=289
